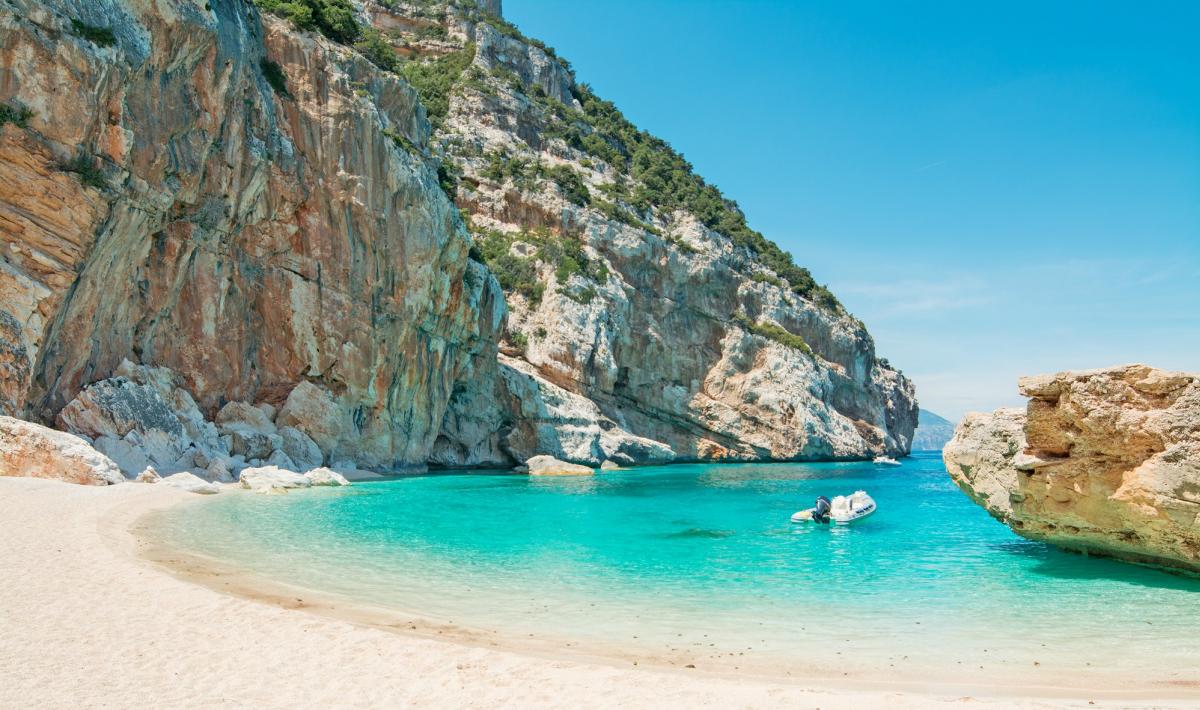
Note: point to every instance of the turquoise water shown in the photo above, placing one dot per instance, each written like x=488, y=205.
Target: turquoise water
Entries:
x=701, y=562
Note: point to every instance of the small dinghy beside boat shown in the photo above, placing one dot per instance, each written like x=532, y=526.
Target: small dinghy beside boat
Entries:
x=843, y=510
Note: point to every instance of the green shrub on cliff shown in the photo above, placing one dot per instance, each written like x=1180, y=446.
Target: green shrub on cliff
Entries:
x=375, y=47
x=516, y=274
x=84, y=166
x=774, y=332
x=571, y=184
x=100, y=36
x=17, y=115
x=333, y=18
x=434, y=80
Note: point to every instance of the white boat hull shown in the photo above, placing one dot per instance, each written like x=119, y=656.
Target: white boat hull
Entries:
x=844, y=509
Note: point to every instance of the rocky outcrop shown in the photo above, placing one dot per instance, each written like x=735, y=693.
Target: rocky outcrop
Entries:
x=35, y=451
x=1101, y=461
x=549, y=466
x=250, y=206
x=629, y=317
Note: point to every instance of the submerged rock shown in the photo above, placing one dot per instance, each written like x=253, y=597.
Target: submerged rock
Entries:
x=550, y=466
x=32, y=450
x=1101, y=461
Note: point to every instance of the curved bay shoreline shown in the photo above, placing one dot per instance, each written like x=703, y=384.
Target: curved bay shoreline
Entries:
x=166, y=627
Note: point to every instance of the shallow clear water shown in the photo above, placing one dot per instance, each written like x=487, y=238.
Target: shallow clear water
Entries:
x=701, y=562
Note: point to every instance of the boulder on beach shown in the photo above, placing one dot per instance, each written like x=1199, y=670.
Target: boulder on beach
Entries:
x=190, y=482
x=148, y=475
x=32, y=450
x=326, y=477
x=549, y=466
x=609, y=465
x=253, y=444
x=218, y=471
x=143, y=416
x=272, y=479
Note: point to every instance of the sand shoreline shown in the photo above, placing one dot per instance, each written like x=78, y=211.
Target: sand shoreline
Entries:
x=138, y=623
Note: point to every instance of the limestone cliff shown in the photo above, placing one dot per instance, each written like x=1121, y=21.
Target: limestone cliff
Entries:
x=198, y=186
x=264, y=209
x=647, y=321
x=1102, y=461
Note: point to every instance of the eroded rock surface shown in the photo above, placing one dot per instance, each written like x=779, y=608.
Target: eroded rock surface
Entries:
x=35, y=451
x=166, y=203
x=1102, y=461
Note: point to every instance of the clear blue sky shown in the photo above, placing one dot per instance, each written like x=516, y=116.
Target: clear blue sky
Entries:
x=996, y=189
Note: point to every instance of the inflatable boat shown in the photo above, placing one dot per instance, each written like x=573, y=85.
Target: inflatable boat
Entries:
x=843, y=510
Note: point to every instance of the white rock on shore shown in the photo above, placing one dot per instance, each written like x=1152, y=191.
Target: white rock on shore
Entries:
x=326, y=477
x=550, y=466
x=190, y=482
x=149, y=475
x=32, y=450
x=272, y=479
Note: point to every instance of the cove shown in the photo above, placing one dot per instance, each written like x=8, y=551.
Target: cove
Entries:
x=699, y=564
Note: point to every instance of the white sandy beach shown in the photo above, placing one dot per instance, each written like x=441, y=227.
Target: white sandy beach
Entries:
x=87, y=621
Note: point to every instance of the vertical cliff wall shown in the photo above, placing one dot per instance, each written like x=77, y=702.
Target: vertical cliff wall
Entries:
x=196, y=186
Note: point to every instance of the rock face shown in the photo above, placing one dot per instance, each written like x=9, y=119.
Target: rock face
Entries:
x=640, y=329
x=165, y=203
x=32, y=450
x=207, y=213
x=1102, y=461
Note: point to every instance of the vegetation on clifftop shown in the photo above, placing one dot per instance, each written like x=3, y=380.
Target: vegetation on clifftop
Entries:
x=652, y=176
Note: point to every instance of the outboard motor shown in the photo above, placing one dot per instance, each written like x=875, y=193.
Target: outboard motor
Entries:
x=820, y=513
